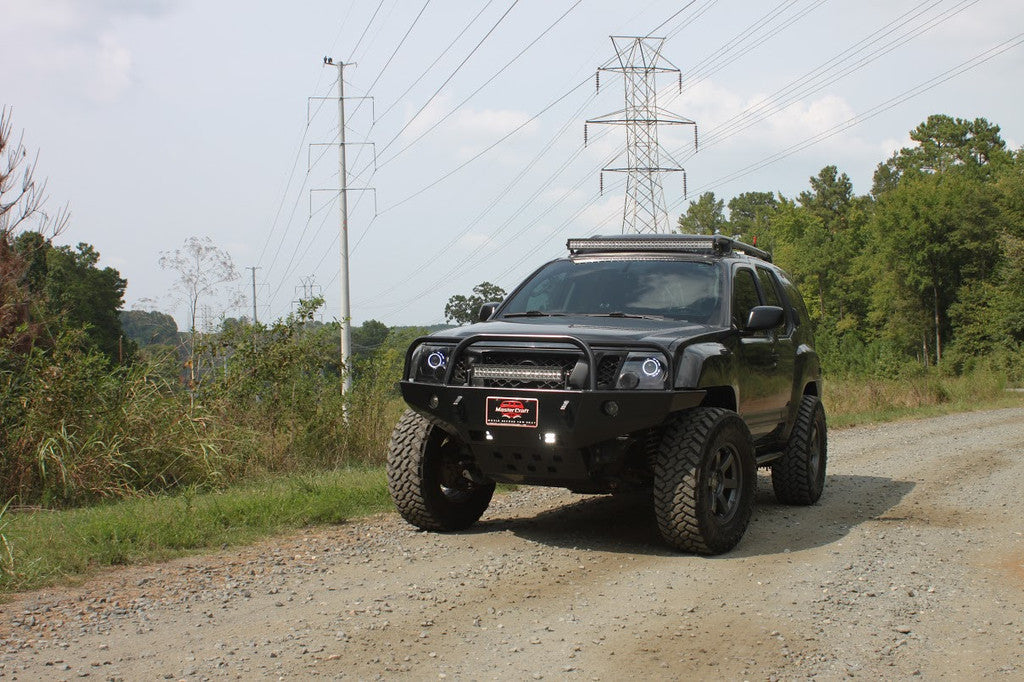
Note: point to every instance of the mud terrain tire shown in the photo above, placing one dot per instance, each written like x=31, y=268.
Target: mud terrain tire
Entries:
x=799, y=476
x=425, y=478
x=704, y=481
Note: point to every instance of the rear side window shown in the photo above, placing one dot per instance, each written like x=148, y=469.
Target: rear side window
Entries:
x=772, y=290
x=744, y=296
x=795, y=300
x=771, y=293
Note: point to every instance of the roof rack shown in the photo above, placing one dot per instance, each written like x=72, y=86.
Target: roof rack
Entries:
x=677, y=243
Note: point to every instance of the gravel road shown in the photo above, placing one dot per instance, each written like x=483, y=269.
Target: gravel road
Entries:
x=911, y=565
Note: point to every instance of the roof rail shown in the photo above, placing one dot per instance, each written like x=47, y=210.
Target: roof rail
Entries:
x=677, y=243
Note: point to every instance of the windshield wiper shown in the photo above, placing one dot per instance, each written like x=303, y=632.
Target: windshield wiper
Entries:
x=534, y=313
x=630, y=316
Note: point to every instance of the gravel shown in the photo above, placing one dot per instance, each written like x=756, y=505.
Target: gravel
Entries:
x=911, y=565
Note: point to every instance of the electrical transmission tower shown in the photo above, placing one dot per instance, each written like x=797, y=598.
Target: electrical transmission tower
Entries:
x=309, y=290
x=640, y=63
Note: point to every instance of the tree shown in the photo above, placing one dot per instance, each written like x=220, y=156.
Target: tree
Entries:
x=943, y=143
x=149, y=328
x=704, y=216
x=934, y=234
x=819, y=240
x=750, y=215
x=201, y=267
x=367, y=338
x=68, y=283
x=22, y=201
x=830, y=198
x=465, y=309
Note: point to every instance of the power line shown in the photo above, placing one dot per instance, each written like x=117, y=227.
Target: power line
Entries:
x=880, y=108
x=475, y=92
x=806, y=85
x=291, y=176
x=363, y=34
x=391, y=58
x=437, y=59
x=451, y=75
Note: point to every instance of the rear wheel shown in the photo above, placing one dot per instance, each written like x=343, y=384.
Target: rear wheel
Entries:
x=427, y=477
x=799, y=476
x=704, y=480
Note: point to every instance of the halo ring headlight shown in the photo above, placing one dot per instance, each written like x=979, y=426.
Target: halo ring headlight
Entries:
x=436, y=360
x=651, y=367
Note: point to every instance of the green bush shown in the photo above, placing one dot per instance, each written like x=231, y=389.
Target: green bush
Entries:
x=77, y=430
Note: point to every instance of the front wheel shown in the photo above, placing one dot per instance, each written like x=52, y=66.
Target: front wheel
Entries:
x=427, y=477
x=704, y=481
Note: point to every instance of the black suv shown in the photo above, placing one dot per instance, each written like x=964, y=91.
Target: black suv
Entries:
x=671, y=363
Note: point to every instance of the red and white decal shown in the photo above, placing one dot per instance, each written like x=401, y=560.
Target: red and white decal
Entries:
x=512, y=412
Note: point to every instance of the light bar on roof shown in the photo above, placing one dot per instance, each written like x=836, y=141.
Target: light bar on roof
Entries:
x=679, y=243
x=696, y=244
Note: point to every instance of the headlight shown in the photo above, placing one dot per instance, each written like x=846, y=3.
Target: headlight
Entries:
x=643, y=371
x=429, y=363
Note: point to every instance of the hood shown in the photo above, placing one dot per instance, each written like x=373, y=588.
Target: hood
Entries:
x=593, y=330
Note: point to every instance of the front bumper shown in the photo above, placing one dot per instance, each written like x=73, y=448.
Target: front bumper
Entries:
x=568, y=424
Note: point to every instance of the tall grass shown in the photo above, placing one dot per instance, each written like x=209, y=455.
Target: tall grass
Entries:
x=77, y=431
x=858, y=400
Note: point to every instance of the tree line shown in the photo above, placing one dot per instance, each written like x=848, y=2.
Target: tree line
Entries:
x=925, y=269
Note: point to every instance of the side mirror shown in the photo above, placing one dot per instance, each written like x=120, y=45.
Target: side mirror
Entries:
x=764, y=317
x=487, y=310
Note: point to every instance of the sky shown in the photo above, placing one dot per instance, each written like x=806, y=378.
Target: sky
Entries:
x=159, y=120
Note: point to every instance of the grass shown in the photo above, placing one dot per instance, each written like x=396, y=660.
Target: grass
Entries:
x=46, y=547
x=860, y=401
x=41, y=547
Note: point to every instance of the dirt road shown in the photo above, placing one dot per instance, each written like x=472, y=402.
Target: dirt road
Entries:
x=912, y=564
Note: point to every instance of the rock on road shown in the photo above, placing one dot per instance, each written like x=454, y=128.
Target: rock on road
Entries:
x=911, y=564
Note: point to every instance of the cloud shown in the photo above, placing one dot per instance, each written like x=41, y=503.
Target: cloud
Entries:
x=603, y=216
x=466, y=130
x=77, y=43
x=113, y=74
x=802, y=119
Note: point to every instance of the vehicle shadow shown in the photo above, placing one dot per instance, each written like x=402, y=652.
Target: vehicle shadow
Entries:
x=625, y=523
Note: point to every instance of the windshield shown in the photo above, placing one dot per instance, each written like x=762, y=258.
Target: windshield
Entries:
x=671, y=289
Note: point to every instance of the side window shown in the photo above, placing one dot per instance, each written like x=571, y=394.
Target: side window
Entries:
x=771, y=288
x=744, y=296
x=771, y=294
x=797, y=301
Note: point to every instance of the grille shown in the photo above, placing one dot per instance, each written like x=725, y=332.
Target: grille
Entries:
x=607, y=371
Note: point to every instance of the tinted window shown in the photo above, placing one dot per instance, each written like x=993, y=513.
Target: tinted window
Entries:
x=675, y=289
x=795, y=300
x=771, y=293
x=744, y=296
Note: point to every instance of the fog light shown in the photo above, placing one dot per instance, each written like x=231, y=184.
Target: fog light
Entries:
x=628, y=381
x=549, y=438
x=611, y=408
x=433, y=402
x=488, y=436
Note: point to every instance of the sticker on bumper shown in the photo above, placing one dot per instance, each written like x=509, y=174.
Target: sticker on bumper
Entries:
x=512, y=412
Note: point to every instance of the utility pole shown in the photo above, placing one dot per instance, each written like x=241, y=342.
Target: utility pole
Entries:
x=253, y=269
x=640, y=62
x=343, y=190
x=346, y=307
